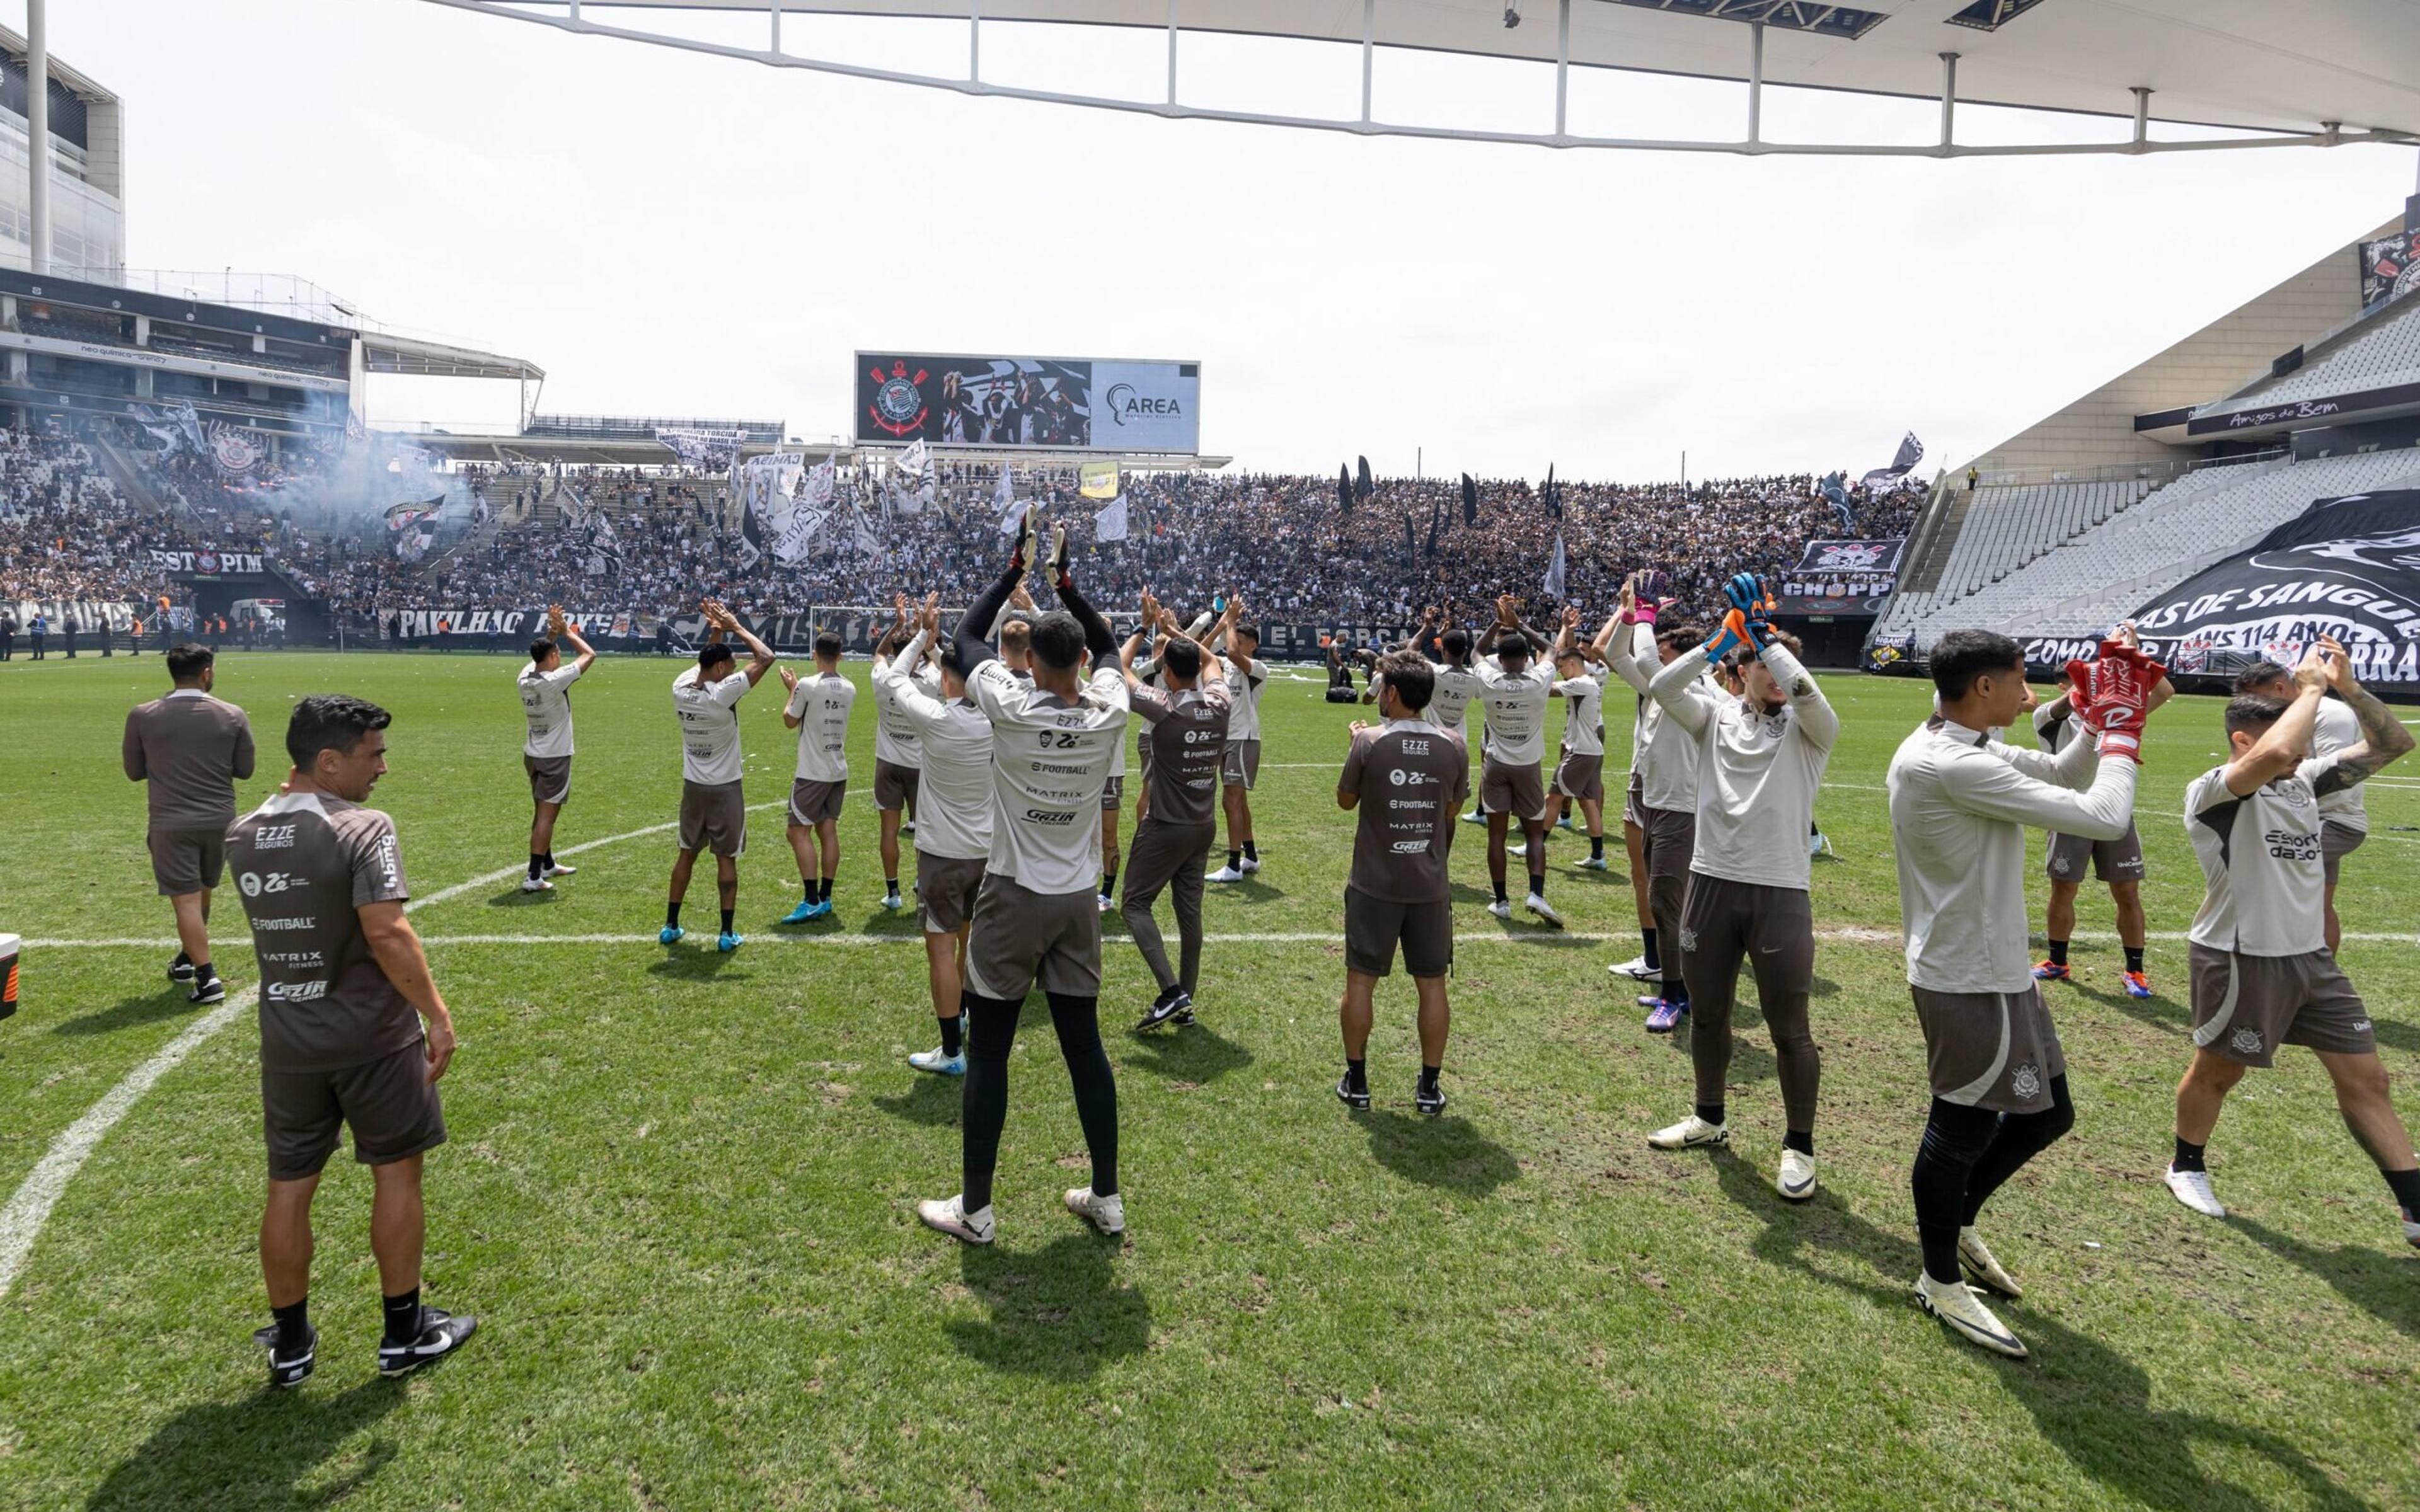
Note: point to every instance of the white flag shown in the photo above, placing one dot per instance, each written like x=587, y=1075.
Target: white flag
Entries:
x=863, y=535
x=1555, y=570
x=1004, y=499
x=917, y=460
x=1110, y=523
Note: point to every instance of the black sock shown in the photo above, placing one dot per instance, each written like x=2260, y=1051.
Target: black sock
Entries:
x=1596, y=847
x=538, y=863
x=403, y=1318
x=2406, y=1186
x=672, y=915
x=891, y=886
x=1500, y=893
x=548, y=858
x=726, y=920
x=2134, y=958
x=1109, y=884
x=1676, y=992
x=1249, y=853
x=2188, y=1157
x=1802, y=1141
x=951, y=1032
x=1538, y=883
x=1356, y=1075
x=1711, y=1112
x=1235, y=860
x=204, y=972
x=807, y=886
x=1428, y=1078
x=1955, y=1138
x=183, y=960
x=824, y=895
x=2058, y=953
x=294, y=1324
x=1654, y=964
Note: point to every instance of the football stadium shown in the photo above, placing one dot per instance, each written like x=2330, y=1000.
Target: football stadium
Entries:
x=1812, y=980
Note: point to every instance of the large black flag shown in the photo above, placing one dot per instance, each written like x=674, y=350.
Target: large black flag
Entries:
x=1436, y=518
x=1343, y=490
x=1554, y=497
x=1411, y=544
x=1469, y=500
x=1366, y=486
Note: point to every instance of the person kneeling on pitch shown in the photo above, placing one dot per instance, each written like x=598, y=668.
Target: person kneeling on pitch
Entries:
x=344, y=991
x=2262, y=972
x=1413, y=776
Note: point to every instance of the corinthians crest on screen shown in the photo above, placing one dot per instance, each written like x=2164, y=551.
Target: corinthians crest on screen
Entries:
x=898, y=406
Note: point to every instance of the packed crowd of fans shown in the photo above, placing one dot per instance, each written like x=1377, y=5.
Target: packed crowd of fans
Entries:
x=650, y=542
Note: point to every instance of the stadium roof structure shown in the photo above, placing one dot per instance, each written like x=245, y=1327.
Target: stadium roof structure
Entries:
x=2313, y=72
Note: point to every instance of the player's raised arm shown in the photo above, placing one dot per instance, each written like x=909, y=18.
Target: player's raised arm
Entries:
x=2286, y=743
x=761, y=656
x=2383, y=737
x=794, y=710
x=563, y=629
x=979, y=626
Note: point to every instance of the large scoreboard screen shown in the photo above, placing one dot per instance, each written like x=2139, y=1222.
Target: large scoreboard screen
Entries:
x=1040, y=403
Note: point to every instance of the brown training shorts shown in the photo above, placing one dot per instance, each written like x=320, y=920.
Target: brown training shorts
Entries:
x=894, y=786
x=550, y=777
x=1240, y=768
x=2337, y=839
x=2245, y=1005
x=1019, y=935
x=1671, y=840
x=713, y=816
x=187, y=860
x=945, y=892
x=390, y=1105
x=815, y=803
x=1634, y=807
x=1374, y=927
x=1114, y=792
x=1996, y=1051
x=2113, y=860
x=1581, y=776
x=1518, y=790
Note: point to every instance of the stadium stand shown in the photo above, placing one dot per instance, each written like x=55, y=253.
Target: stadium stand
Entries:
x=2383, y=351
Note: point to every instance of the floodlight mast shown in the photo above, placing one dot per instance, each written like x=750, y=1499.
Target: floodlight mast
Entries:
x=1753, y=143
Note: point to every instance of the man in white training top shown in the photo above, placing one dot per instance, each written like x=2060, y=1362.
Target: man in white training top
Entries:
x=545, y=688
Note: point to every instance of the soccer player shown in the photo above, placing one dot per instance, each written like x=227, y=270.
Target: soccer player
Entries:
x=1246, y=678
x=1148, y=670
x=192, y=749
x=1398, y=894
x=2263, y=973
x=818, y=710
x=1961, y=802
x=1455, y=683
x=714, y=809
x=1760, y=760
x=1190, y=721
x=1663, y=786
x=353, y=1032
x=1579, y=776
x=545, y=687
x=1509, y=781
x=1035, y=915
x=2344, y=813
x=954, y=839
x=898, y=756
x=2118, y=863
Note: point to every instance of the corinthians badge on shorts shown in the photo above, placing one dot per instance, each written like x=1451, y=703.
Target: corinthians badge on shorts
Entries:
x=898, y=404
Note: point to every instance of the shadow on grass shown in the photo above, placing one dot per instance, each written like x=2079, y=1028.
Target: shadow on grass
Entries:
x=681, y=964
x=2378, y=1283
x=1447, y=1152
x=1188, y=1053
x=2091, y=1402
x=2395, y=1035
x=153, y=1008
x=273, y=1449
x=2157, y=1010
x=930, y=1100
x=1059, y=1312
x=513, y=897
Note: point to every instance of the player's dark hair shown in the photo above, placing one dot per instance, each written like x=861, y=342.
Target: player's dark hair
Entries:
x=542, y=648
x=186, y=663
x=950, y=661
x=331, y=721
x=1680, y=637
x=1963, y=656
x=894, y=640
x=1057, y=639
x=2252, y=713
x=2258, y=675
x=714, y=652
x=1183, y=658
x=1252, y=631
x=1456, y=645
x=1412, y=678
x=827, y=643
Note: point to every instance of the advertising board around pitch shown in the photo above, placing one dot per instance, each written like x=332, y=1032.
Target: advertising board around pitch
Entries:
x=1027, y=403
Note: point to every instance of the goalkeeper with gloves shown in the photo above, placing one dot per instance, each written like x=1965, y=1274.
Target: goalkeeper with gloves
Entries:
x=1961, y=802
x=1761, y=759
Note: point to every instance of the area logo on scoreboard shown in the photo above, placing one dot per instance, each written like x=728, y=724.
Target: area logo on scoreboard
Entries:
x=1125, y=401
x=898, y=400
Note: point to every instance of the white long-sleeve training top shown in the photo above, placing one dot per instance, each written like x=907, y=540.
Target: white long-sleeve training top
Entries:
x=1663, y=751
x=1960, y=803
x=1757, y=770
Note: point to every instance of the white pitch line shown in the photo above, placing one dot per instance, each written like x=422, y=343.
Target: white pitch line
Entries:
x=29, y=1207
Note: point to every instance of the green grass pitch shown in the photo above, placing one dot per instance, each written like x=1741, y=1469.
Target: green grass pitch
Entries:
x=680, y=1191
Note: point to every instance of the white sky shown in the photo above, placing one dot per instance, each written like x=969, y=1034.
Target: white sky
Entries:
x=676, y=235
